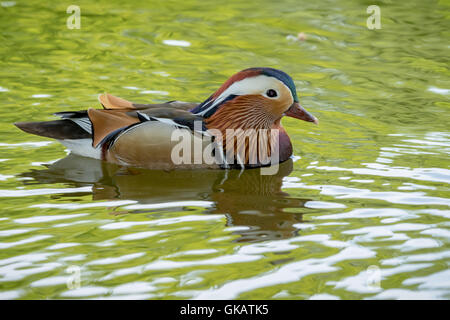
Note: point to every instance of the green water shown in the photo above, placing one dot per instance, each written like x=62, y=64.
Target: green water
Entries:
x=361, y=212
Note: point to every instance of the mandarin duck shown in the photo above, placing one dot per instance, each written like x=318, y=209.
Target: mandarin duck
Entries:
x=238, y=126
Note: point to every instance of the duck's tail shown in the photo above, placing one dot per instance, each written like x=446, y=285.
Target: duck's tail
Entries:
x=57, y=129
x=67, y=132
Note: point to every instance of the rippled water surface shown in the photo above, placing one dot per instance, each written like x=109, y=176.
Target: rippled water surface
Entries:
x=361, y=212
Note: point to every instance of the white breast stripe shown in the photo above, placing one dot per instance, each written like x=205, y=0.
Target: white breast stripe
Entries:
x=208, y=107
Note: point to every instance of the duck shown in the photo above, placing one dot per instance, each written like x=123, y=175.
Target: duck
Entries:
x=238, y=126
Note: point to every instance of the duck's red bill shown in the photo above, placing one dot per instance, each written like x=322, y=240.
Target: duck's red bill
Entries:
x=298, y=112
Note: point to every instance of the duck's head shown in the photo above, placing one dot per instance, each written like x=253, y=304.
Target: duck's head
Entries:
x=253, y=98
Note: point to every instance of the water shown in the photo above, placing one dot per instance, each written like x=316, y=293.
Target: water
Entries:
x=362, y=212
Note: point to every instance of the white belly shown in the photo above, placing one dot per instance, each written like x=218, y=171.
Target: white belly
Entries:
x=82, y=147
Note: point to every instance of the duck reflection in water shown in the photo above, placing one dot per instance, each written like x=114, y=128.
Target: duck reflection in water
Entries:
x=248, y=199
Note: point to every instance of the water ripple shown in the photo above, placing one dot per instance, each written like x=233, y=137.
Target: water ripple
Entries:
x=290, y=272
x=40, y=192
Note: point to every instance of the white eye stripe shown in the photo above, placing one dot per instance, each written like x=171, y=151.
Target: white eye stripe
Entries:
x=254, y=85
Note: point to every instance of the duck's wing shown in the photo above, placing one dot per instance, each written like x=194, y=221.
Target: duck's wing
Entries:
x=78, y=125
x=162, y=138
x=87, y=132
x=151, y=141
x=108, y=123
x=109, y=101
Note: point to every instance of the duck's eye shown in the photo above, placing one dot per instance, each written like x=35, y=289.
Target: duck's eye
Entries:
x=271, y=93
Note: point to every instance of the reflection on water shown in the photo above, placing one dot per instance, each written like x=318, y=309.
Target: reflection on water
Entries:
x=247, y=198
x=368, y=195
x=149, y=213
